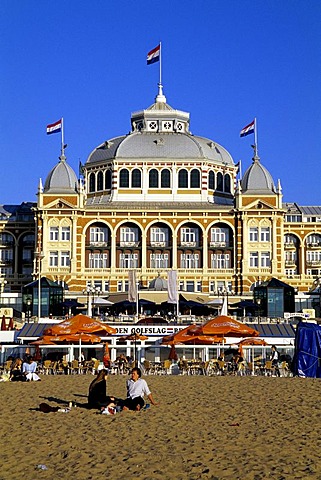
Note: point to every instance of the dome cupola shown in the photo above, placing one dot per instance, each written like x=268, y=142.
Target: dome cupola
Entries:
x=61, y=179
x=257, y=179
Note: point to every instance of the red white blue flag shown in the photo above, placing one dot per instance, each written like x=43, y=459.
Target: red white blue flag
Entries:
x=248, y=129
x=153, y=55
x=54, y=127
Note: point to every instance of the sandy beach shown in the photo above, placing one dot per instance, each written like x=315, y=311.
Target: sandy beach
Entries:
x=248, y=428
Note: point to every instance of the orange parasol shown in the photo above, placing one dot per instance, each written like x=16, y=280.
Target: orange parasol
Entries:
x=80, y=324
x=253, y=341
x=228, y=327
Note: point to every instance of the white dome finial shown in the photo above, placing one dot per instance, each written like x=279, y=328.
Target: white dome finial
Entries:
x=160, y=97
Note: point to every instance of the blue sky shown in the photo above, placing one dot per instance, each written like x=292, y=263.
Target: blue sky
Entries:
x=225, y=62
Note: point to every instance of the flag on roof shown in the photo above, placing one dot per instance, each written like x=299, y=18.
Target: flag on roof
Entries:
x=248, y=129
x=153, y=55
x=54, y=127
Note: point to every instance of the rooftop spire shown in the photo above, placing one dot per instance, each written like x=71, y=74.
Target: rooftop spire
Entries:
x=160, y=97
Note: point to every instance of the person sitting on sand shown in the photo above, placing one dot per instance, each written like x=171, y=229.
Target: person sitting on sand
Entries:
x=16, y=374
x=136, y=389
x=97, y=397
x=29, y=370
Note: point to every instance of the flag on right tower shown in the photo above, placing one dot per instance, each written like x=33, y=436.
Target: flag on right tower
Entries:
x=248, y=129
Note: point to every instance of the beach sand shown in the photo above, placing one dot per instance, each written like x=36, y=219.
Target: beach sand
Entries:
x=248, y=428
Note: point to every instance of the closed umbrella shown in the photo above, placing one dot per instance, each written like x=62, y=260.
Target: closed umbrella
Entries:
x=3, y=324
x=10, y=326
x=106, y=357
x=173, y=354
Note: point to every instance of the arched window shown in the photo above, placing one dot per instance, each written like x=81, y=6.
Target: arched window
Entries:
x=108, y=180
x=124, y=178
x=153, y=178
x=227, y=183
x=92, y=182
x=165, y=179
x=100, y=181
x=211, y=180
x=136, y=178
x=220, y=182
x=195, y=178
x=182, y=179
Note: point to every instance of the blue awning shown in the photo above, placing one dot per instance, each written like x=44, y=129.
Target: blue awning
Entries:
x=32, y=330
x=274, y=329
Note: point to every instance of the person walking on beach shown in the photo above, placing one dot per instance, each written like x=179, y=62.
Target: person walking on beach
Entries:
x=136, y=389
x=275, y=359
x=97, y=396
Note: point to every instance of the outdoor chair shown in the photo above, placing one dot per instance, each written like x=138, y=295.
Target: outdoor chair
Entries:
x=7, y=366
x=269, y=369
x=147, y=367
x=221, y=367
x=167, y=367
x=284, y=369
x=74, y=368
x=47, y=367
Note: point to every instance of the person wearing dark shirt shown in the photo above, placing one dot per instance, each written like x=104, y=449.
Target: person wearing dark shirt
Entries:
x=97, y=396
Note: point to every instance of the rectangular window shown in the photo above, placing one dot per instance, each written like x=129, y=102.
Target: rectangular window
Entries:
x=189, y=260
x=189, y=235
x=159, y=260
x=190, y=286
x=220, y=260
x=98, y=235
x=98, y=260
x=65, y=234
x=65, y=259
x=290, y=256
x=265, y=234
x=53, y=234
x=7, y=255
x=53, y=259
x=159, y=235
x=253, y=234
x=129, y=235
x=265, y=259
x=219, y=235
x=254, y=259
x=313, y=256
x=198, y=286
x=128, y=260
x=26, y=255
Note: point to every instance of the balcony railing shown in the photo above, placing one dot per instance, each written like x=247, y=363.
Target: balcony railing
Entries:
x=313, y=263
x=289, y=245
x=289, y=263
x=314, y=245
x=129, y=244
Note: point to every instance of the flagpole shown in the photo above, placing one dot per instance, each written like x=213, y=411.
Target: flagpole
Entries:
x=160, y=63
x=62, y=137
x=255, y=137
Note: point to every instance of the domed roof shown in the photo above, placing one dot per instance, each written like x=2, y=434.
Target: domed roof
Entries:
x=257, y=179
x=160, y=131
x=160, y=145
x=61, y=179
x=158, y=284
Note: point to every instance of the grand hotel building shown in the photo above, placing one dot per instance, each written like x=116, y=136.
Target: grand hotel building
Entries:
x=157, y=199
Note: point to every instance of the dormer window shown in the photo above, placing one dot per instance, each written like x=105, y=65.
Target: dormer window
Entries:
x=179, y=127
x=167, y=126
x=152, y=126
